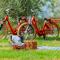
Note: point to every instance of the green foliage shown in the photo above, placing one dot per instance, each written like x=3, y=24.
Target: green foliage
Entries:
x=19, y=7
x=24, y=7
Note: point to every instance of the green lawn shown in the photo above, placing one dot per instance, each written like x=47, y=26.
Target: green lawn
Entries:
x=29, y=54
x=8, y=53
x=48, y=42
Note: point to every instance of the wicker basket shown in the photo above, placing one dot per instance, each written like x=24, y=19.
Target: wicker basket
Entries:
x=18, y=47
x=30, y=44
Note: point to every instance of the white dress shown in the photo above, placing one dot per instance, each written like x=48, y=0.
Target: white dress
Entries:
x=16, y=40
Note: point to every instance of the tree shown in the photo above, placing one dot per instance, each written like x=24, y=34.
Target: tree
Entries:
x=20, y=7
x=25, y=7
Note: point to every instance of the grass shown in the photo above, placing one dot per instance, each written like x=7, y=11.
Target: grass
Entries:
x=48, y=42
x=29, y=54
x=7, y=53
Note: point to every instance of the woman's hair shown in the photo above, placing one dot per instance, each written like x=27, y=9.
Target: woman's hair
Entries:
x=22, y=18
x=46, y=19
x=49, y=20
x=19, y=19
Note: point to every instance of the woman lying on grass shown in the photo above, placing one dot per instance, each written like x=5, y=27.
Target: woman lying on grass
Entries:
x=16, y=41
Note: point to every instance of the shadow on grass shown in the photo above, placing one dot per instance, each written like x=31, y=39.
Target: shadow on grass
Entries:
x=48, y=38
